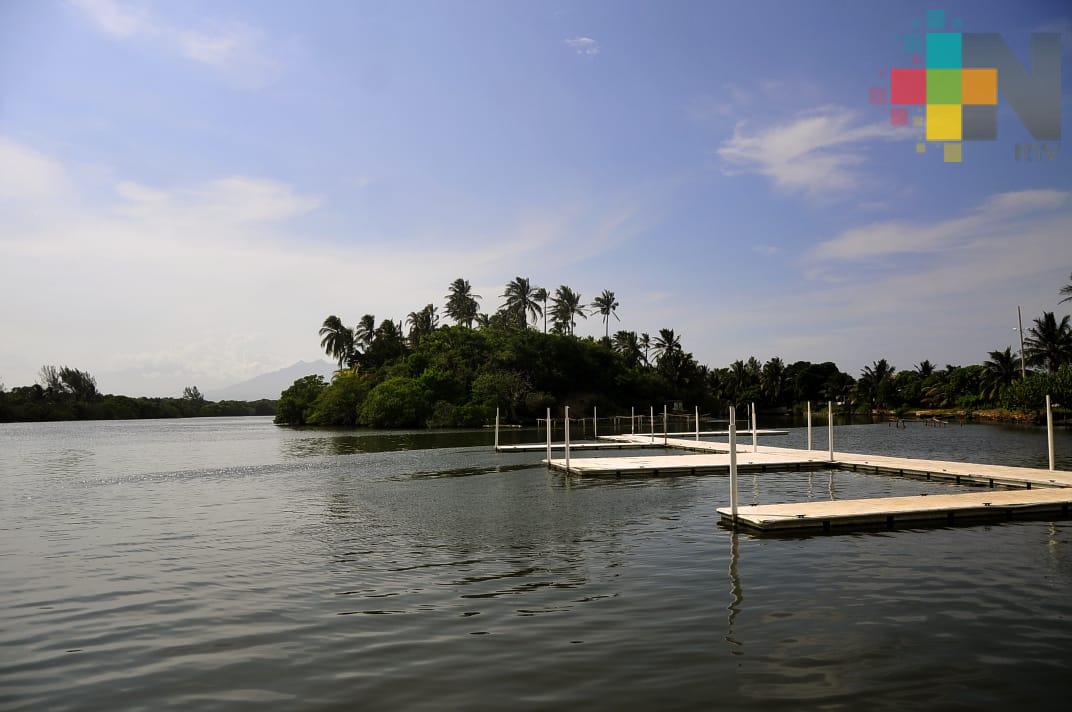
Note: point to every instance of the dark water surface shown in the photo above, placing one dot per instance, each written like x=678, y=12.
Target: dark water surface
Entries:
x=223, y=563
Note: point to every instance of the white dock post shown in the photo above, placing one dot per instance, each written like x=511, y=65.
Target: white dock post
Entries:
x=548, y=438
x=755, y=435
x=496, y=428
x=595, y=422
x=809, y=425
x=632, y=420
x=664, y=425
x=1049, y=431
x=733, y=463
x=830, y=427
x=697, y=423
x=651, y=417
x=567, y=439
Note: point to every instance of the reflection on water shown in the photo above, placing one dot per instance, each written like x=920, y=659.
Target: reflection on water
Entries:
x=205, y=564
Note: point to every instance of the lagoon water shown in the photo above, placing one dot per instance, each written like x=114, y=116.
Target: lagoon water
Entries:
x=226, y=563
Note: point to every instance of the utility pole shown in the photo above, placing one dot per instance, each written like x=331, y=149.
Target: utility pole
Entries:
x=1020, y=319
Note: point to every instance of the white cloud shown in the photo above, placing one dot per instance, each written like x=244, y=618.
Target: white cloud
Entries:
x=236, y=51
x=28, y=174
x=816, y=153
x=993, y=218
x=583, y=45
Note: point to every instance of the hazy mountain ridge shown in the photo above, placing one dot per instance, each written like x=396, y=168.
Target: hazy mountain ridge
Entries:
x=270, y=385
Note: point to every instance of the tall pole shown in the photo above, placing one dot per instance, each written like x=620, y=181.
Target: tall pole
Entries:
x=830, y=427
x=1020, y=319
x=595, y=422
x=1049, y=431
x=755, y=435
x=567, y=439
x=809, y=425
x=664, y=425
x=496, y=428
x=733, y=463
x=548, y=438
x=651, y=417
x=697, y=423
x=632, y=420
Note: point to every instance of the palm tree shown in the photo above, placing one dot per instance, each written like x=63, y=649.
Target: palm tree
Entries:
x=482, y=320
x=421, y=323
x=1066, y=291
x=924, y=368
x=462, y=305
x=874, y=382
x=540, y=294
x=520, y=302
x=365, y=332
x=1000, y=370
x=645, y=343
x=666, y=344
x=337, y=340
x=606, y=305
x=565, y=308
x=1049, y=343
x=628, y=345
x=772, y=380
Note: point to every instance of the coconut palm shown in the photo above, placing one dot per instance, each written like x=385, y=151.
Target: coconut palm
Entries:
x=421, y=323
x=924, y=368
x=365, y=332
x=482, y=320
x=1049, y=343
x=606, y=305
x=1000, y=370
x=772, y=380
x=645, y=343
x=337, y=340
x=520, y=302
x=566, y=306
x=462, y=305
x=1066, y=291
x=875, y=381
x=628, y=345
x=540, y=294
x=666, y=344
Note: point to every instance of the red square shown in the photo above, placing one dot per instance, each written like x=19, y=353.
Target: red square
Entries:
x=899, y=116
x=908, y=86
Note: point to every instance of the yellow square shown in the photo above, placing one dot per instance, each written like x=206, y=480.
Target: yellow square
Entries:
x=921, y=148
x=943, y=122
x=952, y=152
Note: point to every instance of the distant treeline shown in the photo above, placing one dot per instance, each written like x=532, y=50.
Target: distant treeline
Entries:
x=71, y=394
x=456, y=375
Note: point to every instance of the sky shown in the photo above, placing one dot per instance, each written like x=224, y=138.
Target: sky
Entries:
x=188, y=189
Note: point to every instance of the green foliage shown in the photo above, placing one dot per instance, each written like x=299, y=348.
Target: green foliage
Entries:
x=296, y=403
x=398, y=402
x=339, y=403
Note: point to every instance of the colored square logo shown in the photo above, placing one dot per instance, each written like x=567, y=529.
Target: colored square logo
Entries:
x=943, y=122
x=908, y=86
x=943, y=86
x=953, y=152
x=980, y=123
x=979, y=86
x=943, y=50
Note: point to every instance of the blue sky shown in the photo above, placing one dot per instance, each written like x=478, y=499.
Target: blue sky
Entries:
x=187, y=189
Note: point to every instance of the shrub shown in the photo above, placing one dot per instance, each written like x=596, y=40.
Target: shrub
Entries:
x=398, y=402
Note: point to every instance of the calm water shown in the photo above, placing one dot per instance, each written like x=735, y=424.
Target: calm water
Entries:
x=226, y=563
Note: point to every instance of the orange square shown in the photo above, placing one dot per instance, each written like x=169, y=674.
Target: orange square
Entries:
x=979, y=86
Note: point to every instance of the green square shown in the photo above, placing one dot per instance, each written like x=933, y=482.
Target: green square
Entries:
x=943, y=86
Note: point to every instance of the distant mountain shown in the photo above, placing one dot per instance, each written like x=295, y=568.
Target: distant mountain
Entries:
x=270, y=385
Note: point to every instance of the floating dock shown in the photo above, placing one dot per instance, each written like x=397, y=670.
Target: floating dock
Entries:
x=584, y=445
x=900, y=511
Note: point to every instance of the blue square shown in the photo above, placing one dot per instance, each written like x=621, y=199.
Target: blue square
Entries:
x=935, y=19
x=912, y=42
x=943, y=50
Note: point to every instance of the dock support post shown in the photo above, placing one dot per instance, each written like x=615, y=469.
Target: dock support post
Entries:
x=1049, y=431
x=548, y=438
x=664, y=425
x=632, y=420
x=651, y=417
x=595, y=422
x=755, y=435
x=697, y=423
x=830, y=428
x=733, y=463
x=496, y=428
x=567, y=439
x=809, y=425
